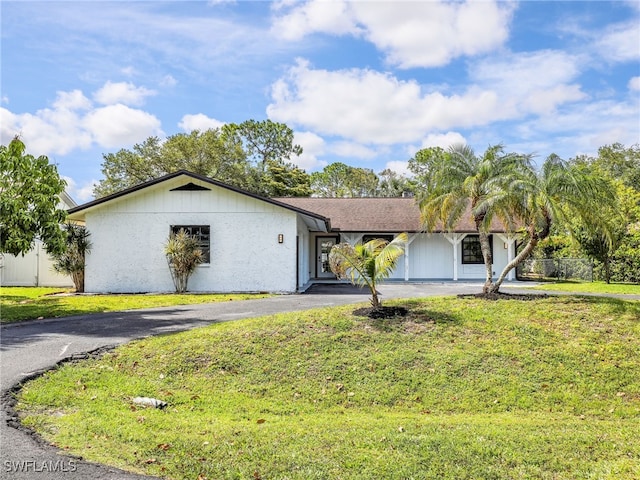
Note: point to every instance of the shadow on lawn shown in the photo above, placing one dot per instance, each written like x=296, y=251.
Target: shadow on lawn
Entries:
x=413, y=321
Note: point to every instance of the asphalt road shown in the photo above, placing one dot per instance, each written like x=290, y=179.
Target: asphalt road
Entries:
x=31, y=347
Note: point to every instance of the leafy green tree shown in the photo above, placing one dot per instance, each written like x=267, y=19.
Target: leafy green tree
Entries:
x=558, y=193
x=455, y=181
x=183, y=255
x=602, y=244
x=625, y=265
x=72, y=261
x=253, y=156
x=617, y=161
x=264, y=141
x=367, y=264
x=339, y=180
x=283, y=180
x=206, y=153
x=394, y=184
x=29, y=189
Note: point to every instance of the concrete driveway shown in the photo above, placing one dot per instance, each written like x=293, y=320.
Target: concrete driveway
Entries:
x=31, y=347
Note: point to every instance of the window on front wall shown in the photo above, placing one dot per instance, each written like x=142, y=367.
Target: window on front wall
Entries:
x=472, y=251
x=202, y=235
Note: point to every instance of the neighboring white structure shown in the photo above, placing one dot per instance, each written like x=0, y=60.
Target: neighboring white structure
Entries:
x=259, y=244
x=35, y=268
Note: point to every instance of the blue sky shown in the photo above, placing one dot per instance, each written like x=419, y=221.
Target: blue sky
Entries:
x=364, y=83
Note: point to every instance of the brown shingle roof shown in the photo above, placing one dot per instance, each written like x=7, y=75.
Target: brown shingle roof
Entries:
x=373, y=214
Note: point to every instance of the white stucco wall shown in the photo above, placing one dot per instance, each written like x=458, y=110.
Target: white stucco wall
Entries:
x=129, y=234
x=304, y=254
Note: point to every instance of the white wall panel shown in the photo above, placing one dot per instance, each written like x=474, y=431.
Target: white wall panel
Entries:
x=129, y=236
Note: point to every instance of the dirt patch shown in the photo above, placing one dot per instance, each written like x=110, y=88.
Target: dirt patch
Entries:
x=381, y=312
x=505, y=296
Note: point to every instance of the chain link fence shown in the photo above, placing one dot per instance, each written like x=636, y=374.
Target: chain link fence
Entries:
x=556, y=268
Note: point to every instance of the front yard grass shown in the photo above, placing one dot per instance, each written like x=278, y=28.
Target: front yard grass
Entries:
x=462, y=388
x=592, y=287
x=26, y=303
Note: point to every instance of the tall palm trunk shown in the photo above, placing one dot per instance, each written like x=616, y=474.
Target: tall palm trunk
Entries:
x=534, y=239
x=485, y=246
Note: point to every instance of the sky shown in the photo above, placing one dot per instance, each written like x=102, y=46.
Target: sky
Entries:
x=366, y=83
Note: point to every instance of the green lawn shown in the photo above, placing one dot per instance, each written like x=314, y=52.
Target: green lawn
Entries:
x=21, y=303
x=460, y=389
x=592, y=287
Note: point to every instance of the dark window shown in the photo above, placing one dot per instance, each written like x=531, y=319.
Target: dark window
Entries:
x=472, y=251
x=368, y=238
x=202, y=235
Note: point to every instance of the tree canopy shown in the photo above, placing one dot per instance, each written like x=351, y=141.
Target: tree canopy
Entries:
x=343, y=181
x=252, y=155
x=29, y=189
x=616, y=247
x=454, y=181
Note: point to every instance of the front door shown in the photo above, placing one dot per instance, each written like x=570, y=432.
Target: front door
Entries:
x=323, y=247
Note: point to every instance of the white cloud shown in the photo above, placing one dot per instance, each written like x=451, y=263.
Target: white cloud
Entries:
x=532, y=82
x=199, y=121
x=399, y=166
x=48, y=131
x=620, y=42
x=333, y=17
x=369, y=107
x=443, y=140
x=4, y=99
x=116, y=125
x=428, y=34
x=74, y=123
x=129, y=71
x=634, y=83
x=122, y=92
x=313, y=146
x=412, y=34
x=82, y=193
x=74, y=100
x=168, y=81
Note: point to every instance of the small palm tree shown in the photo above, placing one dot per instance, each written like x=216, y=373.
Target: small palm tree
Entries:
x=71, y=262
x=183, y=255
x=367, y=264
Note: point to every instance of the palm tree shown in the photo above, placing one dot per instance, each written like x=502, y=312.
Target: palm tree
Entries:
x=558, y=192
x=183, y=255
x=71, y=261
x=367, y=264
x=457, y=180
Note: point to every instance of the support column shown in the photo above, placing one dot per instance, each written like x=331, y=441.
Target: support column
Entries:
x=406, y=256
x=351, y=239
x=510, y=241
x=454, y=239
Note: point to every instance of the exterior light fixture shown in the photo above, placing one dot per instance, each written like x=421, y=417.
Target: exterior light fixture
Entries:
x=280, y=238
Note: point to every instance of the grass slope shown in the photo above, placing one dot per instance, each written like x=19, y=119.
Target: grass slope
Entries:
x=463, y=388
x=592, y=287
x=29, y=303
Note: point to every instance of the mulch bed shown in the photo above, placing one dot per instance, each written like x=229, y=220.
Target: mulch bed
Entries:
x=381, y=312
x=505, y=296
